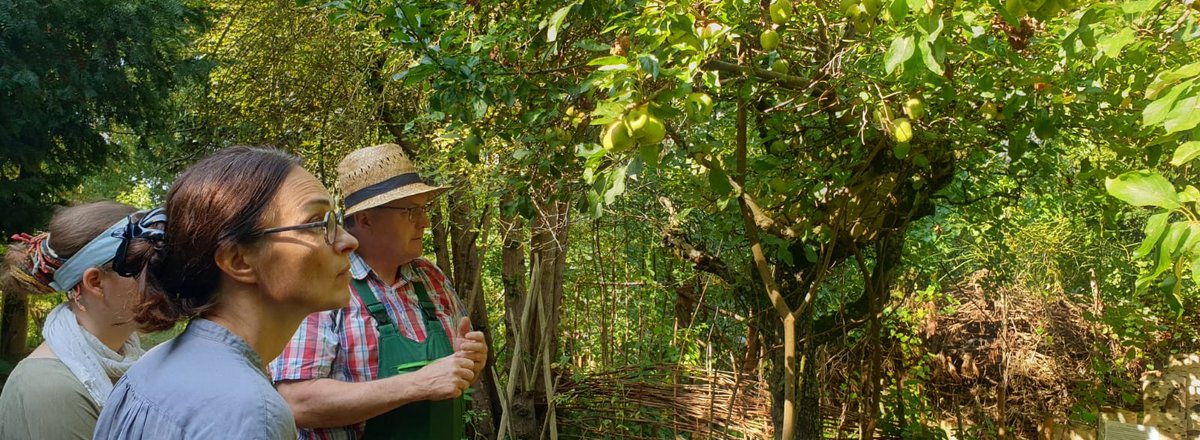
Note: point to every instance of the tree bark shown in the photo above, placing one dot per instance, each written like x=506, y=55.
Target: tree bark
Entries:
x=548, y=247
x=14, y=326
x=521, y=416
x=441, y=252
x=466, y=264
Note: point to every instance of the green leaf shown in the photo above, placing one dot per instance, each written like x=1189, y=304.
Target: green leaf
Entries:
x=591, y=46
x=1184, y=72
x=610, y=60
x=810, y=253
x=1143, y=188
x=1193, y=238
x=1195, y=268
x=1165, y=80
x=1157, y=111
x=616, y=185
x=1170, y=287
x=719, y=181
x=1155, y=226
x=650, y=153
x=1139, y=6
x=1189, y=195
x=1111, y=45
x=649, y=64
x=899, y=10
x=556, y=21
x=900, y=51
x=931, y=63
x=1185, y=115
x=1175, y=237
x=415, y=74
x=595, y=204
x=1185, y=153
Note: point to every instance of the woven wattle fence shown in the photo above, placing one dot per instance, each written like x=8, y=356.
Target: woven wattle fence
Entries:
x=663, y=401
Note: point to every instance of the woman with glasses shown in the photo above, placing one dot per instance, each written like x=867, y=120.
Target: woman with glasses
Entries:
x=90, y=339
x=253, y=246
x=396, y=361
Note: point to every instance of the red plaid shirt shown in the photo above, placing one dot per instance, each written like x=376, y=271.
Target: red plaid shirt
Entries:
x=342, y=344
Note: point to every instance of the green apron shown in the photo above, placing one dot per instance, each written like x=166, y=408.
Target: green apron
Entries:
x=432, y=420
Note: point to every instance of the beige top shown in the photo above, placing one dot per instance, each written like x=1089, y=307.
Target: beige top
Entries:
x=42, y=400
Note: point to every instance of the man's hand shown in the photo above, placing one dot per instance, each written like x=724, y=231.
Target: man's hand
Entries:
x=471, y=345
x=446, y=378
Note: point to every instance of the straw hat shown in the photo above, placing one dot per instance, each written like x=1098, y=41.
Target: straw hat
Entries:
x=372, y=176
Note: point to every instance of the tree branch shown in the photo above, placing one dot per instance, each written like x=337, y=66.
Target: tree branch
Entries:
x=701, y=260
x=792, y=81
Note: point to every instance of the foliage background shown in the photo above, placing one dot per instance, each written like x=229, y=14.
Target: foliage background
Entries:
x=1046, y=135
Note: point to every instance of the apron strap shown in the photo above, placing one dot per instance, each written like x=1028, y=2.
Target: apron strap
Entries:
x=383, y=322
x=427, y=307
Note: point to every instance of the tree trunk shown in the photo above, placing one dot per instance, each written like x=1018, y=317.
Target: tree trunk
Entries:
x=521, y=415
x=533, y=317
x=14, y=326
x=467, y=266
x=548, y=247
x=808, y=391
x=441, y=252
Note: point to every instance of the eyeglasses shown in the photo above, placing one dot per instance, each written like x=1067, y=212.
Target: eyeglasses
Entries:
x=330, y=223
x=413, y=212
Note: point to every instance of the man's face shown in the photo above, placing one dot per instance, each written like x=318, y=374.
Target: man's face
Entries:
x=399, y=226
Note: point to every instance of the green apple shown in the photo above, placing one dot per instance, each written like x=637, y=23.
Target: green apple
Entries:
x=637, y=118
x=769, y=40
x=914, y=108
x=710, y=30
x=699, y=106
x=871, y=6
x=781, y=66
x=652, y=132
x=990, y=111
x=472, y=144
x=863, y=21
x=779, y=147
x=902, y=130
x=780, y=11
x=616, y=138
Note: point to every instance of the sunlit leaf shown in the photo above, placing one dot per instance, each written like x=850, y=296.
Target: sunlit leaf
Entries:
x=900, y=51
x=1185, y=153
x=1155, y=226
x=556, y=21
x=1157, y=111
x=1143, y=188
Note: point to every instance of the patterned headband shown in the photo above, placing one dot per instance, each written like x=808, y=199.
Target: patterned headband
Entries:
x=106, y=246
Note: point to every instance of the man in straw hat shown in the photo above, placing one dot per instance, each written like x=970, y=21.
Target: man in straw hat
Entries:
x=396, y=362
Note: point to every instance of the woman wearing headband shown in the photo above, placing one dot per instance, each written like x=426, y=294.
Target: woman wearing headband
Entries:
x=90, y=339
x=253, y=246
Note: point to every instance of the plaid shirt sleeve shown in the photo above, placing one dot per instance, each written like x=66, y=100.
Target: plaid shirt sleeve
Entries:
x=311, y=352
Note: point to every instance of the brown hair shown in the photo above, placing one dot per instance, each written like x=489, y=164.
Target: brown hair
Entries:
x=70, y=229
x=216, y=203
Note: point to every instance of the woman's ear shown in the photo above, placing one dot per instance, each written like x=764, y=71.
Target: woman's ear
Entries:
x=92, y=283
x=237, y=261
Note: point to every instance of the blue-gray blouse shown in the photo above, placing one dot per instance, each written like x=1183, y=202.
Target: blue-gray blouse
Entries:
x=206, y=383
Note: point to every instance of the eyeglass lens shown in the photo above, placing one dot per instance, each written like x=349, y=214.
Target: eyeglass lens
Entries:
x=331, y=226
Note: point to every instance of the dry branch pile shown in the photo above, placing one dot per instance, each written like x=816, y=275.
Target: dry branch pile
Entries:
x=986, y=345
x=647, y=401
x=1021, y=347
